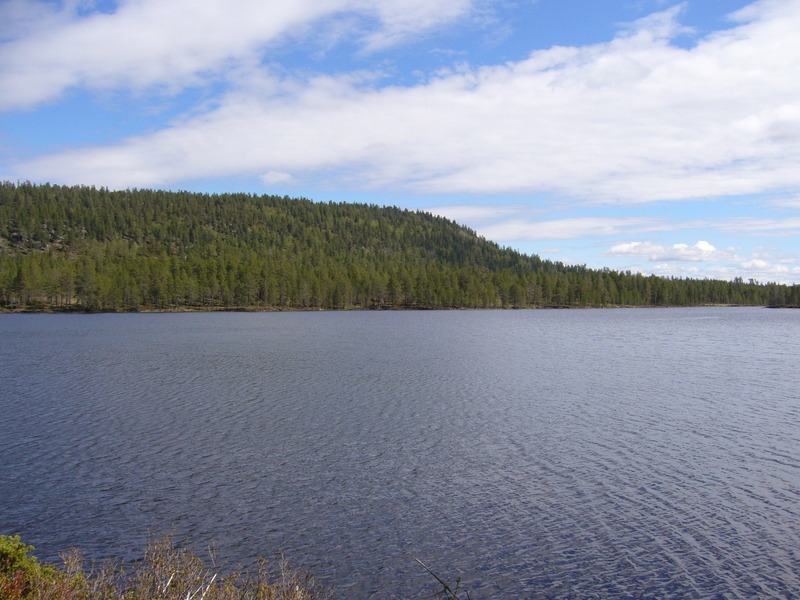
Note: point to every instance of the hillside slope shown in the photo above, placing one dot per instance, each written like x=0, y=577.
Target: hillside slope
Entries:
x=81, y=248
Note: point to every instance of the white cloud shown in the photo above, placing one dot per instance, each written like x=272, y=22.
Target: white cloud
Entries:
x=633, y=120
x=762, y=270
x=172, y=43
x=404, y=18
x=667, y=270
x=23, y=17
x=702, y=251
x=517, y=222
x=568, y=228
x=725, y=267
x=790, y=202
x=274, y=177
x=756, y=264
x=475, y=212
x=761, y=226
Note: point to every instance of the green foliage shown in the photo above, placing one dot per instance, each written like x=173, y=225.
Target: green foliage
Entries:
x=82, y=248
x=14, y=556
x=18, y=571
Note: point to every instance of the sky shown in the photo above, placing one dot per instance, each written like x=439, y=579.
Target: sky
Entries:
x=646, y=135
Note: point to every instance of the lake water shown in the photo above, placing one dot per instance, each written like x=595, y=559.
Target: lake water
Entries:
x=628, y=453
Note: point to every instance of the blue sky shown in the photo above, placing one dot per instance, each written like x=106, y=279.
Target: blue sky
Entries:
x=639, y=135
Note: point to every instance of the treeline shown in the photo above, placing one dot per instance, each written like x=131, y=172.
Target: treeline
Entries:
x=82, y=248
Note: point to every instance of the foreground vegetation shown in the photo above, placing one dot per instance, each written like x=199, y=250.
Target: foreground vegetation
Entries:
x=165, y=573
x=82, y=248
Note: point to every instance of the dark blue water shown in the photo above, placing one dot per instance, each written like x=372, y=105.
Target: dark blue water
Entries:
x=632, y=453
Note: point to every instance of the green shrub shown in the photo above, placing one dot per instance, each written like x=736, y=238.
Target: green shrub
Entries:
x=19, y=573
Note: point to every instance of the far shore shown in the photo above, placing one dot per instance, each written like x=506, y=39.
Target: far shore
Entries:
x=252, y=309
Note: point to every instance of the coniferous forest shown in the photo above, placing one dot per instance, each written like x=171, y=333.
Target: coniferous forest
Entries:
x=82, y=248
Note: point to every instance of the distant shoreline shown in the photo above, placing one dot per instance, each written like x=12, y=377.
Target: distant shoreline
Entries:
x=255, y=309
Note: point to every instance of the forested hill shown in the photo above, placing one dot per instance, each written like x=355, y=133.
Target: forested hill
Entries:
x=81, y=248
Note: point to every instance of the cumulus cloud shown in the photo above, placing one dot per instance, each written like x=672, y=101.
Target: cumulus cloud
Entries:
x=780, y=271
x=725, y=266
x=702, y=251
x=634, y=120
x=759, y=270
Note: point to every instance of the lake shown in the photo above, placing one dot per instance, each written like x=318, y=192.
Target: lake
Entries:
x=586, y=454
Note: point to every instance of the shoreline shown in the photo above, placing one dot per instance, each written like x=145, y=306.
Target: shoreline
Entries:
x=254, y=309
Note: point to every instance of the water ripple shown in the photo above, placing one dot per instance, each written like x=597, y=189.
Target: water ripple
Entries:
x=537, y=454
